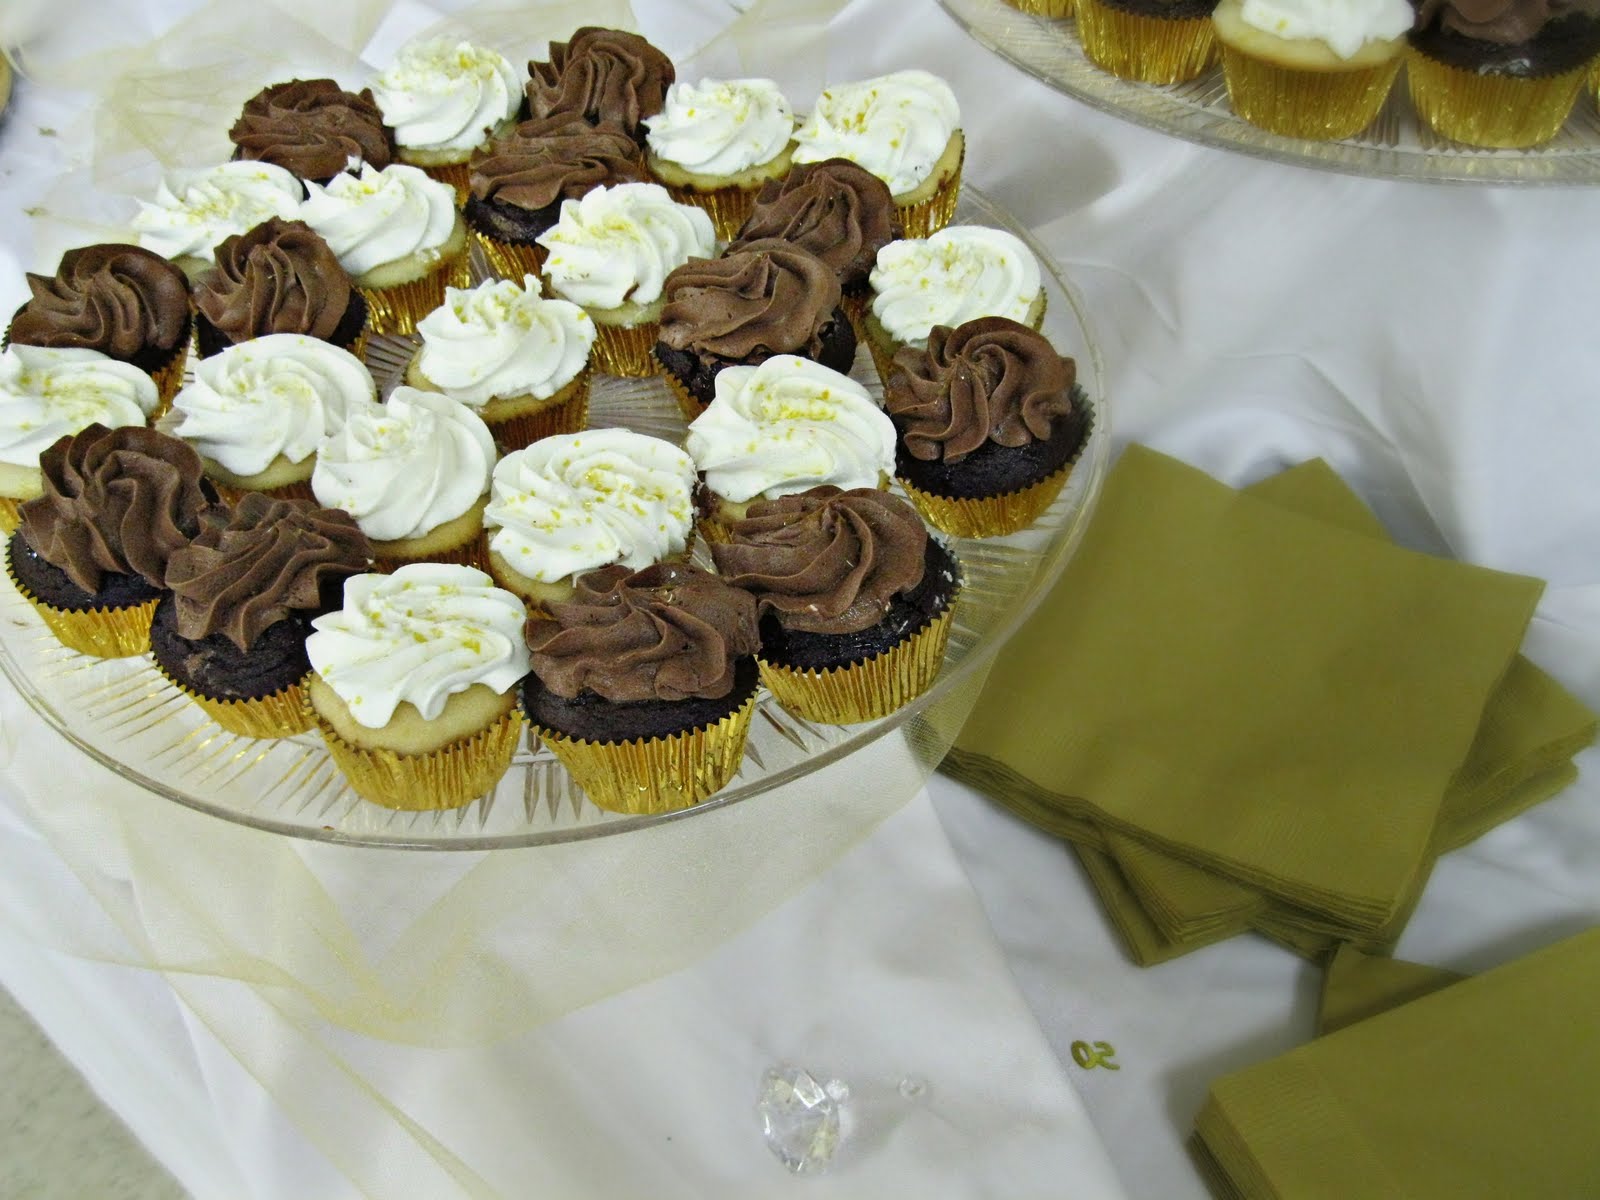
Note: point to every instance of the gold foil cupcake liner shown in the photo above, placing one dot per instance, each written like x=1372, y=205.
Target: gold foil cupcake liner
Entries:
x=169, y=378
x=988, y=516
x=628, y=352
x=510, y=260
x=457, y=175
x=101, y=632
x=10, y=518
x=474, y=552
x=931, y=215
x=281, y=714
x=855, y=305
x=1496, y=111
x=655, y=775
x=867, y=690
x=397, y=309
x=523, y=429
x=449, y=777
x=728, y=207
x=1149, y=49
x=1043, y=8
x=688, y=403
x=1306, y=104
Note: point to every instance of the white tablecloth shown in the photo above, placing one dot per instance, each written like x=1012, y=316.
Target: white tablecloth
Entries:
x=1433, y=343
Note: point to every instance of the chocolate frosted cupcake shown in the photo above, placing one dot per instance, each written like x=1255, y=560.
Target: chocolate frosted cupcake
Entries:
x=124, y=301
x=280, y=277
x=313, y=128
x=855, y=600
x=91, y=552
x=839, y=211
x=517, y=184
x=231, y=631
x=643, y=684
x=602, y=75
x=1154, y=41
x=770, y=297
x=990, y=422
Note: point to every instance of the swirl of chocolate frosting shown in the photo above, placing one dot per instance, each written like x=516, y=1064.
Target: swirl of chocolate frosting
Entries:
x=121, y=300
x=990, y=379
x=839, y=211
x=1504, y=22
x=553, y=158
x=769, y=298
x=602, y=75
x=312, y=127
x=271, y=559
x=279, y=277
x=668, y=632
x=115, y=501
x=826, y=561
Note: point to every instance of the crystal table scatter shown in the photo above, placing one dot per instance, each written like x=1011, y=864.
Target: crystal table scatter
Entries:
x=802, y=1120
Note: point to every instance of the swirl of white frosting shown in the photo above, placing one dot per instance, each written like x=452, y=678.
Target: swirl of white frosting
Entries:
x=200, y=208
x=499, y=339
x=443, y=95
x=378, y=217
x=46, y=394
x=407, y=466
x=577, y=501
x=274, y=395
x=420, y=635
x=719, y=127
x=961, y=272
x=618, y=244
x=1345, y=25
x=896, y=126
x=786, y=426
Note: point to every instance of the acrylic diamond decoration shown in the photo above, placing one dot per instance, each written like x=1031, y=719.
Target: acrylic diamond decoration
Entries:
x=801, y=1118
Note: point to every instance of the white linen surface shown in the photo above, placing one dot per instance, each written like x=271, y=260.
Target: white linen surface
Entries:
x=1433, y=343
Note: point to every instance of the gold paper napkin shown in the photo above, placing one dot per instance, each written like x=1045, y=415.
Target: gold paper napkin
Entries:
x=1356, y=986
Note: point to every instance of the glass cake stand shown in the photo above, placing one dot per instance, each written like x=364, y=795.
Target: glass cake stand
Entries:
x=1395, y=146
x=126, y=716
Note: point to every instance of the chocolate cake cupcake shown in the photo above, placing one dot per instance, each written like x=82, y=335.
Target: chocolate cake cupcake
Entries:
x=602, y=75
x=1154, y=41
x=232, y=629
x=312, y=127
x=770, y=297
x=643, y=684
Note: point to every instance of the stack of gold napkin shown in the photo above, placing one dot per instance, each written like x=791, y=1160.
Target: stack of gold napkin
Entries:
x=1247, y=710
x=1482, y=1088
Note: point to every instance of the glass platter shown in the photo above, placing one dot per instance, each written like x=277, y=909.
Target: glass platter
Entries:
x=1395, y=146
x=127, y=717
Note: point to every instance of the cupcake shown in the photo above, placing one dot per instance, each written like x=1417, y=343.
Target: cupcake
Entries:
x=611, y=252
x=906, y=129
x=279, y=277
x=399, y=236
x=518, y=360
x=516, y=185
x=1153, y=41
x=414, y=684
x=257, y=412
x=959, y=273
x=414, y=473
x=46, y=395
x=643, y=685
x=1500, y=73
x=602, y=75
x=201, y=208
x=768, y=298
x=124, y=301
x=855, y=600
x=579, y=501
x=231, y=630
x=717, y=143
x=840, y=212
x=990, y=422
x=90, y=552
x=444, y=100
x=786, y=426
x=1044, y=8
x=312, y=128
x=1304, y=68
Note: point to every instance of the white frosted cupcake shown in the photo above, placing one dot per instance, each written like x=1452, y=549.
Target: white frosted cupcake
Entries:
x=516, y=358
x=414, y=473
x=198, y=209
x=783, y=427
x=398, y=234
x=257, y=411
x=445, y=99
x=610, y=252
x=414, y=684
x=716, y=142
x=954, y=276
x=580, y=501
x=906, y=129
x=47, y=394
